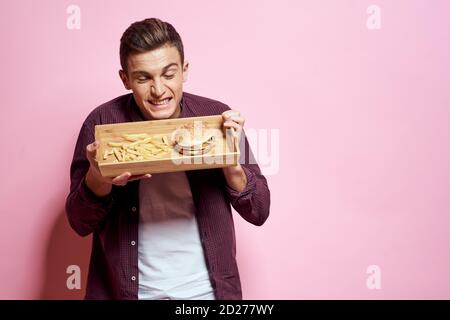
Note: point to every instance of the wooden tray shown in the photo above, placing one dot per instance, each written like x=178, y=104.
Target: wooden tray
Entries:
x=225, y=153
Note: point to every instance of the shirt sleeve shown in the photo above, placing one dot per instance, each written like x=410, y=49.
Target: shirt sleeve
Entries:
x=85, y=210
x=252, y=203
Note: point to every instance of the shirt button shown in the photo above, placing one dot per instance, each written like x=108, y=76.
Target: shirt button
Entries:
x=133, y=209
x=133, y=278
x=133, y=243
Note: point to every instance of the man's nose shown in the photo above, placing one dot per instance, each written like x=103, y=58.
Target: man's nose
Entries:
x=157, y=89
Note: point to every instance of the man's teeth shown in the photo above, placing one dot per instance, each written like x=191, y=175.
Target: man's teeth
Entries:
x=165, y=101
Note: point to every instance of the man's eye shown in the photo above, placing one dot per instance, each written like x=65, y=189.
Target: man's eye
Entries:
x=142, y=79
x=169, y=76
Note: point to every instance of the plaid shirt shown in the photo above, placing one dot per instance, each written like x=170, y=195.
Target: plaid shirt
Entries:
x=114, y=219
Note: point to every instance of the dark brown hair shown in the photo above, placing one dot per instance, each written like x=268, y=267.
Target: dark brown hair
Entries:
x=147, y=35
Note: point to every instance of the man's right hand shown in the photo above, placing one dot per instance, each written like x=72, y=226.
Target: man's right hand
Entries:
x=102, y=186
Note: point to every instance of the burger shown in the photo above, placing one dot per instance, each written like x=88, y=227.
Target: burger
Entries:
x=193, y=139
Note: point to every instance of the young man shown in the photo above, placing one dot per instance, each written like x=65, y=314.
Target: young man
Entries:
x=161, y=236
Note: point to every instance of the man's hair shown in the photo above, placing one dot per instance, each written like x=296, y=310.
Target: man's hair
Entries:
x=147, y=35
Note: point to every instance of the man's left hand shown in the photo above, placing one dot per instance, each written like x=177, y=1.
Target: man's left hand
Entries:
x=234, y=121
x=234, y=175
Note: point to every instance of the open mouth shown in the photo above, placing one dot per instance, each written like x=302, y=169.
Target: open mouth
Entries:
x=160, y=103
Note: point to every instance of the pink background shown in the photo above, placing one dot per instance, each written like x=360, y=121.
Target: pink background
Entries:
x=363, y=115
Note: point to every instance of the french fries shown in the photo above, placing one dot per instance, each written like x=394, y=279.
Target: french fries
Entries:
x=138, y=147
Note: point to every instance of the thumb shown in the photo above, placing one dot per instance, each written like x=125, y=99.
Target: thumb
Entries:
x=91, y=149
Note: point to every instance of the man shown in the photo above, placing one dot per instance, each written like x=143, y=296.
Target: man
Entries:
x=161, y=236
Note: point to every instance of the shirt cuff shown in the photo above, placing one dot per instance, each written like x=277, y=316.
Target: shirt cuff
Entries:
x=251, y=184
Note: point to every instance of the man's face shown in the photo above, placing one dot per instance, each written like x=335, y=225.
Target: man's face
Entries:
x=156, y=78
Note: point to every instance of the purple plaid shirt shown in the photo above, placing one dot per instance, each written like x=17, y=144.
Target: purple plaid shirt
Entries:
x=114, y=219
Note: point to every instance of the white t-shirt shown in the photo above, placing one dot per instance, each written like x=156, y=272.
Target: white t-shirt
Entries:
x=171, y=260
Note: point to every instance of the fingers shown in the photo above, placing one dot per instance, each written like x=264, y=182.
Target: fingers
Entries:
x=231, y=124
x=141, y=176
x=230, y=113
x=234, y=121
x=122, y=179
x=125, y=177
x=234, y=127
x=238, y=119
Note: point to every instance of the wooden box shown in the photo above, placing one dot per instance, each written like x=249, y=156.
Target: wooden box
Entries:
x=224, y=153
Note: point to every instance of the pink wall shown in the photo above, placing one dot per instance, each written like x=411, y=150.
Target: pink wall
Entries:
x=364, y=161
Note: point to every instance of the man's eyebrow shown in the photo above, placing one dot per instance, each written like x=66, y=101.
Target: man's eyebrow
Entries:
x=170, y=65
x=139, y=72
x=145, y=73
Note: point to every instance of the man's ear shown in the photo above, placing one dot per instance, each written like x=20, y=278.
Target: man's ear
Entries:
x=124, y=78
x=185, y=71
